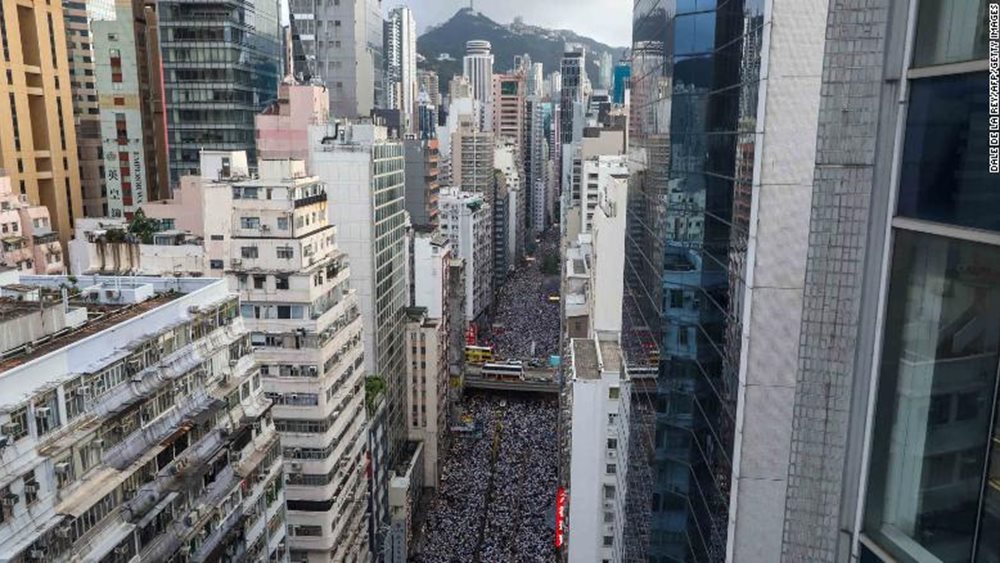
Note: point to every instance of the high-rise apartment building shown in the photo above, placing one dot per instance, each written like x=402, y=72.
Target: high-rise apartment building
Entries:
x=535, y=160
x=467, y=220
x=78, y=16
x=37, y=128
x=428, y=81
x=508, y=109
x=364, y=173
x=472, y=158
x=283, y=127
x=341, y=43
x=305, y=324
x=427, y=383
x=598, y=384
x=142, y=433
x=400, y=55
x=129, y=86
x=221, y=66
x=422, y=186
x=477, y=67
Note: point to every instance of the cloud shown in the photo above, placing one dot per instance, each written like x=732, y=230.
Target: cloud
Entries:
x=608, y=21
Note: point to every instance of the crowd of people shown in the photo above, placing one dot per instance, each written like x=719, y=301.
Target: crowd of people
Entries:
x=526, y=321
x=498, y=486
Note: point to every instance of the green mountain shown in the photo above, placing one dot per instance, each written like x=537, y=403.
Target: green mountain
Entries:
x=543, y=45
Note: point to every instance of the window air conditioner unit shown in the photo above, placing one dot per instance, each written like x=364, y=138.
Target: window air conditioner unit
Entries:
x=42, y=412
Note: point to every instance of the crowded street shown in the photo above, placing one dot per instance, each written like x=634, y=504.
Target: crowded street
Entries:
x=526, y=322
x=498, y=485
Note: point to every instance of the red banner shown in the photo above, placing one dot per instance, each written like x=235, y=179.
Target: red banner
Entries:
x=560, y=516
x=470, y=335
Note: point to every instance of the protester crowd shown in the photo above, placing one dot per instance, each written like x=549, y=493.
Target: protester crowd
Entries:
x=526, y=322
x=498, y=487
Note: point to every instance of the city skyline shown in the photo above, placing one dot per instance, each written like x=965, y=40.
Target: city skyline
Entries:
x=607, y=21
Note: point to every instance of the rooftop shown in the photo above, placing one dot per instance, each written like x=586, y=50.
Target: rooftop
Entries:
x=585, y=359
x=611, y=355
x=106, y=317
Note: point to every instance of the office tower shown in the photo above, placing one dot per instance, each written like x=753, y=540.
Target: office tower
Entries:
x=305, y=325
x=128, y=78
x=621, y=82
x=605, y=68
x=283, y=127
x=428, y=81
x=717, y=251
x=427, y=369
x=422, y=186
x=142, y=434
x=37, y=130
x=427, y=118
x=77, y=17
x=341, y=44
x=364, y=174
x=477, y=67
x=467, y=220
x=508, y=110
x=572, y=78
x=472, y=158
x=401, y=66
x=29, y=243
x=553, y=86
x=222, y=63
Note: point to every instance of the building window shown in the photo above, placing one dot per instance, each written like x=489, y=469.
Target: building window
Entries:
x=285, y=252
x=614, y=392
x=259, y=282
x=944, y=175
x=933, y=423
x=215, y=264
x=281, y=282
x=115, y=58
x=249, y=222
x=249, y=252
x=282, y=223
x=950, y=31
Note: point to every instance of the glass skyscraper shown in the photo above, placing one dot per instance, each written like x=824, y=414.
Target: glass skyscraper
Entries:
x=694, y=100
x=881, y=433
x=222, y=62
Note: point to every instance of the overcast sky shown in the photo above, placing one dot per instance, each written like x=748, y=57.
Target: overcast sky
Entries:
x=608, y=21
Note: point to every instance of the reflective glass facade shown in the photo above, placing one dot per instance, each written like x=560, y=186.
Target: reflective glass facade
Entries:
x=221, y=66
x=933, y=488
x=695, y=72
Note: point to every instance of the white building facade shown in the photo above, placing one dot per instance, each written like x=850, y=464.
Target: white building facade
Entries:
x=467, y=220
x=305, y=324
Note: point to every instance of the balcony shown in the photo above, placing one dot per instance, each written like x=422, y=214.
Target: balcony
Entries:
x=311, y=200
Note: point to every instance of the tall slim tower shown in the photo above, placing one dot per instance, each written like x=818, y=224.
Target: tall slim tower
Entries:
x=478, y=68
x=401, y=66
